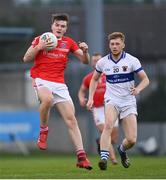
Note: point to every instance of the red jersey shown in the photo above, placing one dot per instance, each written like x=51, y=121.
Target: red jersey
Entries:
x=98, y=97
x=51, y=65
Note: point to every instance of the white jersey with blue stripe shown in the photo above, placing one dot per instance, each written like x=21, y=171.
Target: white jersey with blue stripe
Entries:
x=119, y=77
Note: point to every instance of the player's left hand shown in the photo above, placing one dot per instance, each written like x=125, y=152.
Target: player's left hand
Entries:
x=134, y=91
x=83, y=46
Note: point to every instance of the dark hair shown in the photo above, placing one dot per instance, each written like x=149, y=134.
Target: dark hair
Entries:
x=60, y=16
x=116, y=35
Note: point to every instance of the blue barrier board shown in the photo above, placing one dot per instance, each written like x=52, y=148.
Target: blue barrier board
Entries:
x=19, y=125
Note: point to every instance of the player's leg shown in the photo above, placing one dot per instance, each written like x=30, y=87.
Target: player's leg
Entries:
x=46, y=101
x=67, y=111
x=129, y=124
x=105, y=142
x=100, y=128
x=114, y=139
x=130, y=130
x=115, y=133
x=99, y=120
x=113, y=155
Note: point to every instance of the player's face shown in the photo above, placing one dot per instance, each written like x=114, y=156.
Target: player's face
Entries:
x=94, y=60
x=59, y=28
x=116, y=46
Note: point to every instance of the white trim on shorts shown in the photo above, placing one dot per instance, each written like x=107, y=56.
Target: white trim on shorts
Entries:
x=99, y=116
x=59, y=90
x=124, y=110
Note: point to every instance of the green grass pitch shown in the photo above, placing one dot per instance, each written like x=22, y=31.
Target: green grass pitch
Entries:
x=45, y=166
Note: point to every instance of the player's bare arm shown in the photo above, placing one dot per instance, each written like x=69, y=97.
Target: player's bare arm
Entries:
x=142, y=85
x=82, y=53
x=92, y=89
x=30, y=54
x=81, y=95
x=33, y=51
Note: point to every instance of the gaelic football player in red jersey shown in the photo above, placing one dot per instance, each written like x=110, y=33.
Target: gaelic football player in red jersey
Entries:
x=48, y=76
x=98, y=105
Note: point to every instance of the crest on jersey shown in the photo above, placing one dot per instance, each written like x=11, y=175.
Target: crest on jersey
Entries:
x=124, y=68
x=63, y=45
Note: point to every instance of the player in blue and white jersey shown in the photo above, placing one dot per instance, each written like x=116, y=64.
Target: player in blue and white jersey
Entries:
x=119, y=68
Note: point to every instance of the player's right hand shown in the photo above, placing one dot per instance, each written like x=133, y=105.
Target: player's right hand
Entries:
x=83, y=101
x=45, y=44
x=89, y=105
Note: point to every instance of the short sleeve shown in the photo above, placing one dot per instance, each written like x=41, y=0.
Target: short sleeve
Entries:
x=85, y=83
x=137, y=66
x=35, y=41
x=99, y=66
x=74, y=45
x=87, y=79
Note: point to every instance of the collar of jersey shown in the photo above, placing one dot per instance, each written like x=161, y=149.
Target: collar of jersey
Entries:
x=121, y=57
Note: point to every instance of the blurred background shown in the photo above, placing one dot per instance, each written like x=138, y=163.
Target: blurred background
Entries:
x=144, y=24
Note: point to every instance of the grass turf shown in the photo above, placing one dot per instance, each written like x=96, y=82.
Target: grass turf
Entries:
x=44, y=166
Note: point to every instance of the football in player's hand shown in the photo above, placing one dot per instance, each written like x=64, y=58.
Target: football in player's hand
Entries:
x=51, y=39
